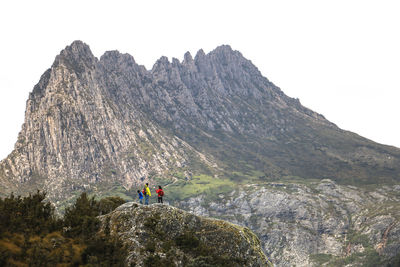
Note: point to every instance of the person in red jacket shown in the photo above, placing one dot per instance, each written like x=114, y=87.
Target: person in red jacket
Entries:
x=160, y=193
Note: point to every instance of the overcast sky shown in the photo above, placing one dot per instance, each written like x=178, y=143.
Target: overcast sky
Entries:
x=340, y=58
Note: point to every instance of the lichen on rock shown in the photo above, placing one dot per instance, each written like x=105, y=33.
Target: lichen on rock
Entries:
x=161, y=235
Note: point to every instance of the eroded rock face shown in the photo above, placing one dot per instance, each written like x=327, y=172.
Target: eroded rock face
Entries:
x=110, y=121
x=83, y=127
x=315, y=223
x=173, y=237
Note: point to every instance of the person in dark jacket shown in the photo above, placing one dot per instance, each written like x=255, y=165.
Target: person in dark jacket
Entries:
x=140, y=197
x=160, y=193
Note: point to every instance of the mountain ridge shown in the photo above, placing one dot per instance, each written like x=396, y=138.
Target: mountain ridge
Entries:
x=111, y=120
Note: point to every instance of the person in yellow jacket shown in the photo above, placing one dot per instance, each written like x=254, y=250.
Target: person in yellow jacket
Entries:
x=146, y=193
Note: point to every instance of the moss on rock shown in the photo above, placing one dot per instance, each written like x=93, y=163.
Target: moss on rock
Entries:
x=161, y=234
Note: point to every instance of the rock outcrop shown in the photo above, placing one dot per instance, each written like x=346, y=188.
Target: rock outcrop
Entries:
x=313, y=223
x=166, y=236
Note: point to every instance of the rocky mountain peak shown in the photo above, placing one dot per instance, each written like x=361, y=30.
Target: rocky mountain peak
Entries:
x=161, y=63
x=114, y=60
x=114, y=56
x=227, y=57
x=187, y=59
x=77, y=57
x=200, y=55
x=77, y=47
x=224, y=49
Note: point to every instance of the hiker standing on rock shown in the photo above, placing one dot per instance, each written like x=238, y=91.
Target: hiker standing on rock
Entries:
x=160, y=193
x=146, y=193
x=140, y=197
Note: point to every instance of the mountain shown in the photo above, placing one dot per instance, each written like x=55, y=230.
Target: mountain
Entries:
x=222, y=139
x=111, y=122
x=79, y=131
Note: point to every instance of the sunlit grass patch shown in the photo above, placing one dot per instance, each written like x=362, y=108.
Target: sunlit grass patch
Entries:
x=197, y=185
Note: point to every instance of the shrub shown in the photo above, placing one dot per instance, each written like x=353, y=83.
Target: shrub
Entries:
x=31, y=234
x=187, y=241
x=108, y=204
x=27, y=215
x=80, y=219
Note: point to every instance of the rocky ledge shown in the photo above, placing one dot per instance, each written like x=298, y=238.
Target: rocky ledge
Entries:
x=161, y=235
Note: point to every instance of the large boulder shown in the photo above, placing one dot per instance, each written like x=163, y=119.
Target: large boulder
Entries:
x=161, y=235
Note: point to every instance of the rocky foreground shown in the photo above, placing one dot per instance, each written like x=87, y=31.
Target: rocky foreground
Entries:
x=161, y=235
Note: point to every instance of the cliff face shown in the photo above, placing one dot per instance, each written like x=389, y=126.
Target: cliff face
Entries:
x=313, y=223
x=166, y=236
x=78, y=132
x=97, y=123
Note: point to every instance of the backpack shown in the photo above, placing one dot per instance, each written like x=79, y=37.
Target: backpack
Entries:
x=144, y=192
x=161, y=193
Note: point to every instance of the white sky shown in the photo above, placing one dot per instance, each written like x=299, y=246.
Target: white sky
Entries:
x=341, y=58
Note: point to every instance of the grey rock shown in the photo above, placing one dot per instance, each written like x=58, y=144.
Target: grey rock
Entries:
x=155, y=230
x=295, y=225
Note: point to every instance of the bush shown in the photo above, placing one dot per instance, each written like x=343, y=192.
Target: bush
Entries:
x=31, y=234
x=27, y=215
x=187, y=241
x=80, y=219
x=108, y=204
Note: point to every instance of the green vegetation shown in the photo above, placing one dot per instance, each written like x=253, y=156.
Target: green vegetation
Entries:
x=201, y=184
x=196, y=252
x=320, y=258
x=355, y=237
x=368, y=258
x=386, y=207
x=174, y=236
x=105, y=189
x=187, y=241
x=201, y=254
x=163, y=181
x=395, y=262
x=179, y=186
x=27, y=215
x=116, y=190
x=147, y=150
x=31, y=234
x=246, y=176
